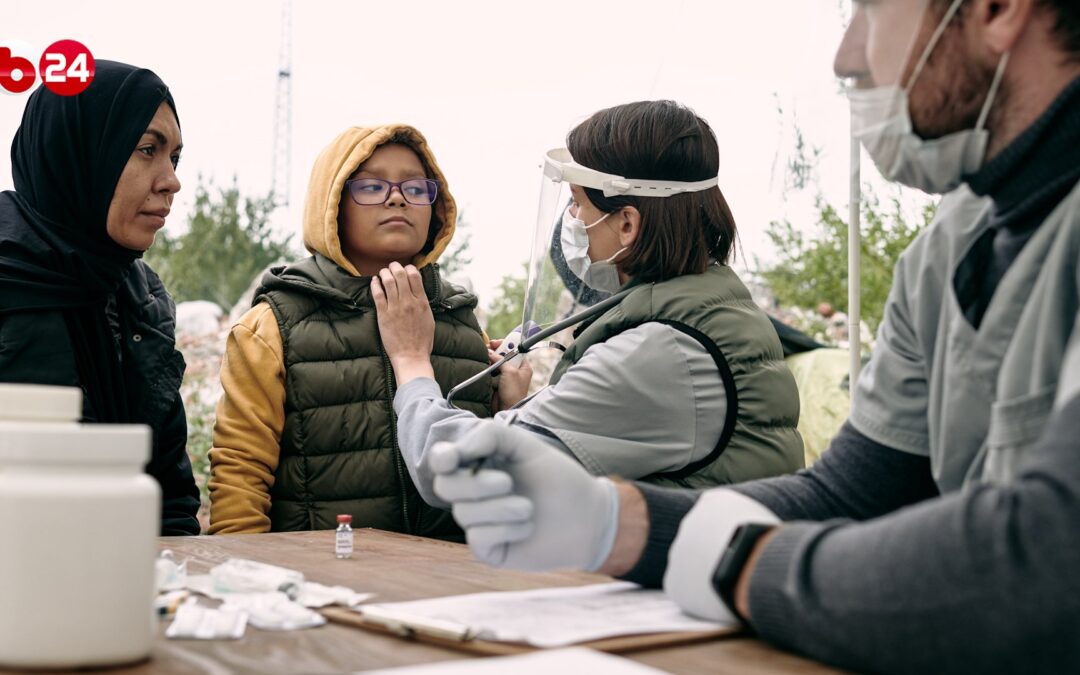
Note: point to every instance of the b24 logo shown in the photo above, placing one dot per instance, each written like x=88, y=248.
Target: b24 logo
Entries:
x=66, y=68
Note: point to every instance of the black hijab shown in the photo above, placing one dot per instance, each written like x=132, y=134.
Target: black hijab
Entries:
x=55, y=253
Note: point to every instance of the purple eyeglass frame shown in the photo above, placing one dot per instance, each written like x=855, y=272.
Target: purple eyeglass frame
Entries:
x=432, y=184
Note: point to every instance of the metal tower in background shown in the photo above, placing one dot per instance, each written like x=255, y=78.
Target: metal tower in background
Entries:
x=279, y=183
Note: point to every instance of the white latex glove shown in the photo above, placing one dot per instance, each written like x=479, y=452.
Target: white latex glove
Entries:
x=530, y=507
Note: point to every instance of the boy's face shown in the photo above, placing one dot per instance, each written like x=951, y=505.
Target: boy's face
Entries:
x=372, y=236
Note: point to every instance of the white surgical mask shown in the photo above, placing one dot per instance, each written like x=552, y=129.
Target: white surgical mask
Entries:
x=881, y=121
x=602, y=275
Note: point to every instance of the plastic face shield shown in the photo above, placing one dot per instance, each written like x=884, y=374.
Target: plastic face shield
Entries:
x=554, y=292
x=885, y=48
x=886, y=41
x=557, y=299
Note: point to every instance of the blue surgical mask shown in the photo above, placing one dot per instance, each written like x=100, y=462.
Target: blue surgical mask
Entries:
x=601, y=275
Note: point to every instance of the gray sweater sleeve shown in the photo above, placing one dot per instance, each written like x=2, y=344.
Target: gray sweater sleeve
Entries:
x=982, y=580
x=424, y=418
x=855, y=479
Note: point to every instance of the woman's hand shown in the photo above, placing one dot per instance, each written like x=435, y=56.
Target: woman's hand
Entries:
x=514, y=379
x=406, y=324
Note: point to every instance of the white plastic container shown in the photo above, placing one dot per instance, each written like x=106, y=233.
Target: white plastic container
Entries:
x=78, y=527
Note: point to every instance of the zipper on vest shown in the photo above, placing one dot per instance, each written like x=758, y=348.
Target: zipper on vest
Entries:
x=437, y=303
x=398, y=464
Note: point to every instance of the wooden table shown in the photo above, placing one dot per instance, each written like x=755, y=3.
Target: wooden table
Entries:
x=397, y=567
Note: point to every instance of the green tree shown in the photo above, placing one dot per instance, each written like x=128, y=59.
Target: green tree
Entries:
x=457, y=258
x=228, y=242
x=813, y=269
x=504, y=311
x=550, y=300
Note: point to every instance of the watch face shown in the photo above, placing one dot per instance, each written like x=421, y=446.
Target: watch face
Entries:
x=734, y=559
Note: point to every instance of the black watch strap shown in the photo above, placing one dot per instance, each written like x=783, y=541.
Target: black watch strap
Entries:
x=730, y=567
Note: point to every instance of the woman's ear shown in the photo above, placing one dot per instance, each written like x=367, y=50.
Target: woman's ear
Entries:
x=629, y=226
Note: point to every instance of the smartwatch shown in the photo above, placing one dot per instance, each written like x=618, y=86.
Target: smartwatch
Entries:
x=730, y=567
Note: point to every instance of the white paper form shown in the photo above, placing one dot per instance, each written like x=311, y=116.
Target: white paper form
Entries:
x=552, y=617
x=572, y=660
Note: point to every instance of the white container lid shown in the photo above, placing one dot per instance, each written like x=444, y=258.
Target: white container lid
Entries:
x=40, y=403
x=68, y=444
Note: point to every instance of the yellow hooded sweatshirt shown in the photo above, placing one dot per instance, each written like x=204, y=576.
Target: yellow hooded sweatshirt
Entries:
x=251, y=412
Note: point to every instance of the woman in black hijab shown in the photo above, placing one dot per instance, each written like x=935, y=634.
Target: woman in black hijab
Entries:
x=94, y=180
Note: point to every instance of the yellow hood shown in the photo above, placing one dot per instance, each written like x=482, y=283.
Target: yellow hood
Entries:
x=341, y=159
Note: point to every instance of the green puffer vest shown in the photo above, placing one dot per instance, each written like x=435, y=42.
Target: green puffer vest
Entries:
x=339, y=451
x=759, y=437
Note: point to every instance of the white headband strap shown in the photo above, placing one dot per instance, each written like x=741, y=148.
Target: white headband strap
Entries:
x=559, y=166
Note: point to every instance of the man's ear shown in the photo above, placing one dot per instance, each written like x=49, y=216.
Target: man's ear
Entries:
x=1001, y=22
x=628, y=225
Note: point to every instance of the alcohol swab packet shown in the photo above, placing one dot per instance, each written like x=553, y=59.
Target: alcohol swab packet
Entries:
x=195, y=622
x=316, y=595
x=273, y=611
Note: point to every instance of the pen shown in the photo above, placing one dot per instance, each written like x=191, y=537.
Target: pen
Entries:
x=479, y=464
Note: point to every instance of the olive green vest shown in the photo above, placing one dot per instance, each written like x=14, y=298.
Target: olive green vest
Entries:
x=339, y=450
x=759, y=437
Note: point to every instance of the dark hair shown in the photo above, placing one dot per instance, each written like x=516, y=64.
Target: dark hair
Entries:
x=1066, y=26
x=660, y=140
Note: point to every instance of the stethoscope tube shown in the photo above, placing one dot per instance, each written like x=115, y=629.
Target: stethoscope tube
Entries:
x=534, y=340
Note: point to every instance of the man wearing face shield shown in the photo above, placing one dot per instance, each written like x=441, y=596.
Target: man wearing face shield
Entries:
x=941, y=530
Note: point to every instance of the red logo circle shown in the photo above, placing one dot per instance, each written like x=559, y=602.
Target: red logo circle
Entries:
x=16, y=73
x=67, y=67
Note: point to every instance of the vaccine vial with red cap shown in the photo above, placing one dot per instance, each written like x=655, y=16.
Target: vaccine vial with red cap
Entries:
x=343, y=540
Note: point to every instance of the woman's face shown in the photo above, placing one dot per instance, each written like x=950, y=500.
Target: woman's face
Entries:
x=374, y=235
x=604, y=239
x=143, y=196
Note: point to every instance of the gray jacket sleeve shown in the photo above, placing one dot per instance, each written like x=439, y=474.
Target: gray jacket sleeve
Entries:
x=424, y=418
x=648, y=400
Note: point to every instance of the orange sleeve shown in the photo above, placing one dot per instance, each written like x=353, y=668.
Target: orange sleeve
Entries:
x=247, y=431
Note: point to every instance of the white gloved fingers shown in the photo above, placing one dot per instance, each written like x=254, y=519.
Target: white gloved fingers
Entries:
x=464, y=485
x=489, y=542
x=508, y=510
x=474, y=446
x=488, y=439
x=444, y=458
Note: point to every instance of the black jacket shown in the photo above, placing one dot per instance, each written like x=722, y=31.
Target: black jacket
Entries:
x=35, y=348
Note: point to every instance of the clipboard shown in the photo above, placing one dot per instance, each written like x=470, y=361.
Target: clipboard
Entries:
x=462, y=638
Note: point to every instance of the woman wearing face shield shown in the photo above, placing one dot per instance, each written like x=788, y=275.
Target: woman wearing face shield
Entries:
x=95, y=176
x=682, y=380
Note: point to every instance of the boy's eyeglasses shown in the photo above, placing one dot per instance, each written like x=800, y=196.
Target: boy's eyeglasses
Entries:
x=375, y=191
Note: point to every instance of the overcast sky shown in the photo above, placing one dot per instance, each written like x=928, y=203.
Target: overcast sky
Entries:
x=493, y=85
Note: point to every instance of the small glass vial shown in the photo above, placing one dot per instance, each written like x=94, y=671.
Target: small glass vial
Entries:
x=343, y=540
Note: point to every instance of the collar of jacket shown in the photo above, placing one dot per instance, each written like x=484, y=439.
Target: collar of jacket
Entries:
x=321, y=277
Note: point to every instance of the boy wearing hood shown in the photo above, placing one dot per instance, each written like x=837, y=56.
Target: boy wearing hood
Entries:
x=306, y=429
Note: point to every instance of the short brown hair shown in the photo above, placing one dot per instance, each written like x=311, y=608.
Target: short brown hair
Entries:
x=1066, y=26
x=660, y=140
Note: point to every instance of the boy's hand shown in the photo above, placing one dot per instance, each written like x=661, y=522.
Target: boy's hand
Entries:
x=514, y=380
x=406, y=325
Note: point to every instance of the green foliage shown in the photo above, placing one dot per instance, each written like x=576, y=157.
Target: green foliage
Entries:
x=200, y=417
x=812, y=270
x=504, y=312
x=457, y=258
x=228, y=242
x=550, y=300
